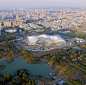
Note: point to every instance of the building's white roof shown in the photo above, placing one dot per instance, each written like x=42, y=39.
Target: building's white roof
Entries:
x=52, y=38
x=11, y=30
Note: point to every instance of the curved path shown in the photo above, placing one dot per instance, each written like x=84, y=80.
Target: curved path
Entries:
x=54, y=82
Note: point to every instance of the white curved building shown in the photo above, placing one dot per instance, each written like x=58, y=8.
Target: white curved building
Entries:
x=11, y=30
x=46, y=39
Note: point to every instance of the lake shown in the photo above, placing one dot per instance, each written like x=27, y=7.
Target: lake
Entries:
x=34, y=69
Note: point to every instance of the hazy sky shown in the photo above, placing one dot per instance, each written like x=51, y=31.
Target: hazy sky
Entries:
x=41, y=3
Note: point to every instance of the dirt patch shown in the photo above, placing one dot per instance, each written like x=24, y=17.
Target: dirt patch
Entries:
x=79, y=29
x=40, y=53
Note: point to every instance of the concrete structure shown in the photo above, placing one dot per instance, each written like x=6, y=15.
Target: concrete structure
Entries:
x=45, y=39
x=54, y=29
x=79, y=40
x=11, y=14
x=64, y=32
x=14, y=23
x=11, y=30
x=7, y=23
x=17, y=17
x=18, y=22
x=62, y=13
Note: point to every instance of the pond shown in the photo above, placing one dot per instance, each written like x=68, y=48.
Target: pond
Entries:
x=35, y=69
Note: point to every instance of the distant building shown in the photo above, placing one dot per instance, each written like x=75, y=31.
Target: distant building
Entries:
x=3, y=17
x=7, y=23
x=64, y=32
x=11, y=14
x=54, y=29
x=19, y=22
x=17, y=17
x=11, y=30
x=46, y=39
x=79, y=40
x=13, y=23
x=62, y=13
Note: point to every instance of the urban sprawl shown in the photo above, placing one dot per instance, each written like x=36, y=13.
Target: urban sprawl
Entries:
x=56, y=37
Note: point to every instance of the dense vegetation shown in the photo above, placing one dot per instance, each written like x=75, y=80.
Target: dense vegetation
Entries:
x=28, y=57
x=9, y=60
x=20, y=79
x=8, y=50
x=6, y=38
x=77, y=82
x=7, y=77
x=69, y=61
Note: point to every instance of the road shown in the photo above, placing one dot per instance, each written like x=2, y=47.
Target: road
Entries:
x=54, y=82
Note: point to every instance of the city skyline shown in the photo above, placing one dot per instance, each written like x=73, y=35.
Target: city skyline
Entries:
x=7, y=4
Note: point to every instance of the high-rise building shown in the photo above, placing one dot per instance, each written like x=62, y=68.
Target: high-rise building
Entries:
x=11, y=14
x=14, y=23
x=62, y=13
x=7, y=24
x=19, y=22
x=3, y=17
x=17, y=17
x=0, y=28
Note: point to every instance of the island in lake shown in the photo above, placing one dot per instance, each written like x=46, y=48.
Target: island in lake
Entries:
x=2, y=67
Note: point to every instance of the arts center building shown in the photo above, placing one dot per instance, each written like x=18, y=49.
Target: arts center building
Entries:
x=45, y=40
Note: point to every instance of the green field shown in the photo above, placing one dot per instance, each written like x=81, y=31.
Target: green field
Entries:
x=79, y=35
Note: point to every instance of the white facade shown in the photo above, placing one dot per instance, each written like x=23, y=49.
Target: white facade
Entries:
x=44, y=37
x=11, y=30
x=79, y=40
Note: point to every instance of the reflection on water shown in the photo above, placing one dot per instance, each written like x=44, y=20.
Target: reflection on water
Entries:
x=35, y=69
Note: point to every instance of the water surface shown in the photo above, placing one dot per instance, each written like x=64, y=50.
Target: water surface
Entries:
x=19, y=63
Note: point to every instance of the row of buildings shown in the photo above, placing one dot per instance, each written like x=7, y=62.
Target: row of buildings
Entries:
x=53, y=18
x=13, y=23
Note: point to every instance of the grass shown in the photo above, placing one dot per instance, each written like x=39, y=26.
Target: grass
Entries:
x=1, y=66
x=83, y=28
x=76, y=34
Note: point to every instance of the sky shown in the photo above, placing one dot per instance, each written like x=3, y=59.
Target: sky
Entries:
x=5, y=4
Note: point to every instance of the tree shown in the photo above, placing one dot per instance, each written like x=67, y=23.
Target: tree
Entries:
x=31, y=82
x=24, y=75
x=77, y=82
x=9, y=60
x=20, y=49
x=15, y=41
x=15, y=80
x=7, y=77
